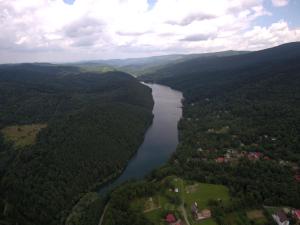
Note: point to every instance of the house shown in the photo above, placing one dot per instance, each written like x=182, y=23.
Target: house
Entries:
x=281, y=218
x=211, y=130
x=204, y=214
x=296, y=214
x=176, y=190
x=200, y=149
x=220, y=160
x=254, y=155
x=297, y=177
x=200, y=215
x=170, y=218
x=227, y=156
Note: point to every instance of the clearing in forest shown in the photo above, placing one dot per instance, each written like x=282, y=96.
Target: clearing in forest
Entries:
x=22, y=135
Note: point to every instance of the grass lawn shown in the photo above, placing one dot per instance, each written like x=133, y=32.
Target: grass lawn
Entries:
x=155, y=216
x=206, y=222
x=252, y=217
x=257, y=216
x=272, y=210
x=202, y=193
x=22, y=135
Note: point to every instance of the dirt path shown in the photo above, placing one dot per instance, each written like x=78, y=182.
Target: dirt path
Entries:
x=182, y=208
x=103, y=213
x=149, y=210
x=183, y=211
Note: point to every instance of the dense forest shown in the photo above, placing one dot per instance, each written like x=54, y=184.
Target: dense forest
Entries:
x=91, y=125
x=241, y=123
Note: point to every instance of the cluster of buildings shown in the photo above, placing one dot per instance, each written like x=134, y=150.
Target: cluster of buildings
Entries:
x=234, y=155
x=281, y=217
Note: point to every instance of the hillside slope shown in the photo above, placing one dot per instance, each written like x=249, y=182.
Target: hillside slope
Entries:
x=211, y=76
x=94, y=124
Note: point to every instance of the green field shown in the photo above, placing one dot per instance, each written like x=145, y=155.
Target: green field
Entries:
x=202, y=193
x=251, y=217
x=205, y=222
x=156, y=207
x=22, y=135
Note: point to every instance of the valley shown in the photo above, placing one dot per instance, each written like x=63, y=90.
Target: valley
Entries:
x=233, y=158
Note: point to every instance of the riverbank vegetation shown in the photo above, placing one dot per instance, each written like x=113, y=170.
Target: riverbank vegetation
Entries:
x=95, y=123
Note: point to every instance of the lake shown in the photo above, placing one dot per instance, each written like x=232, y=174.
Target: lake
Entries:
x=160, y=140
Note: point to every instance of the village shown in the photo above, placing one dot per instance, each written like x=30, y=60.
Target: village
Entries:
x=231, y=155
x=188, y=203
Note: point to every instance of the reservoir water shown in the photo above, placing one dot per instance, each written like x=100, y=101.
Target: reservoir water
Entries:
x=161, y=138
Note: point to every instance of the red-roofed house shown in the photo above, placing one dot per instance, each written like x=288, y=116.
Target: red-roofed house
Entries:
x=170, y=218
x=296, y=214
x=220, y=160
x=254, y=155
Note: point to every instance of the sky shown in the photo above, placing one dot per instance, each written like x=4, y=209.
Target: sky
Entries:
x=79, y=30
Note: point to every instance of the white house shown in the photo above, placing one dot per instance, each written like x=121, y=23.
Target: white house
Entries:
x=280, y=218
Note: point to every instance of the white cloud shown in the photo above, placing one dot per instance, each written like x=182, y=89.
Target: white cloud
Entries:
x=280, y=3
x=50, y=30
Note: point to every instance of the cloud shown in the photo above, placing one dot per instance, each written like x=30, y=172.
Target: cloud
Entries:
x=276, y=34
x=84, y=27
x=132, y=33
x=197, y=37
x=280, y=3
x=51, y=30
x=191, y=18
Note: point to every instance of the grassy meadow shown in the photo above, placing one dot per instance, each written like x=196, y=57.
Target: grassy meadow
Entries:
x=22, y=135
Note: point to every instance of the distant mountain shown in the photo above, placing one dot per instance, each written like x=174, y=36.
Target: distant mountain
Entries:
x=212, y=75
x=141, y=66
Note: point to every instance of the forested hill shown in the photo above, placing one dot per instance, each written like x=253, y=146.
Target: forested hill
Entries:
x=212, y=76
x=63, y=132
x=141, y=66
x=235, y=107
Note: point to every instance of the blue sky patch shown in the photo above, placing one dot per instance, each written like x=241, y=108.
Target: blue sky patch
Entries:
x=70, y=2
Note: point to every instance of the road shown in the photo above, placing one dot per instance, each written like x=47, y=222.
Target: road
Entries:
x=103, y=213
x=182, y=208
x=183, y=211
